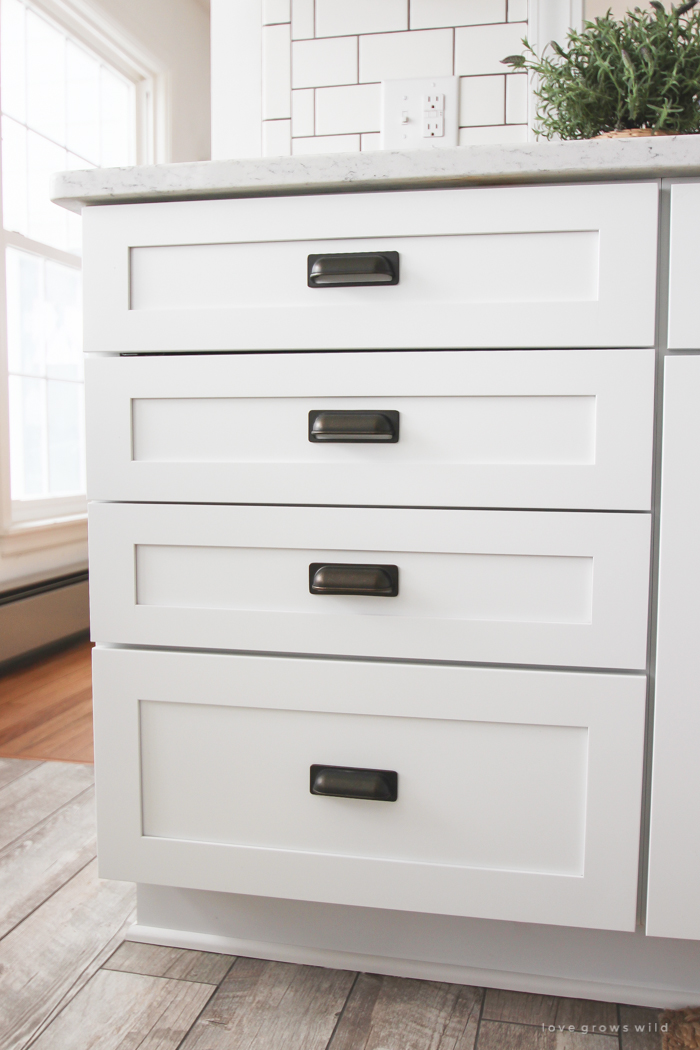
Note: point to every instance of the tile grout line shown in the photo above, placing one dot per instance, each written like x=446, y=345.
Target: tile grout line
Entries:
x=70, y=994
x=48, y=816
x=205, y=1005
x=340, y=1016
x=481, y=1014
x=42, y=903
x=11, y=758
x=538, y=1024
x=398, y=32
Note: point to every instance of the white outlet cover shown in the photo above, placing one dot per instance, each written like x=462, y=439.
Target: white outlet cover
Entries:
x=403, y=104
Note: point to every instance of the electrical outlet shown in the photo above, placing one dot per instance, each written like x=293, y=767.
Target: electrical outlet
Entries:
x=433, y=125
x=422, y=113
x=434, y=116
x=433, y=102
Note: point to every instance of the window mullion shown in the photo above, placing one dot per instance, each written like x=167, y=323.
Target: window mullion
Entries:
x=47, y=251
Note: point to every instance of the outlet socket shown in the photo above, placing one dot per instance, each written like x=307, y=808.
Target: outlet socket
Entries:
x=422, y=113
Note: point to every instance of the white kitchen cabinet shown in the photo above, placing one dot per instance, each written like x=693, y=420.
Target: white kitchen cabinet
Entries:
x=683, y=316
x=674, y=851
x=513, y=587
x=569, y=429
x=518, y=791
x=520, y=266
x=501, y=344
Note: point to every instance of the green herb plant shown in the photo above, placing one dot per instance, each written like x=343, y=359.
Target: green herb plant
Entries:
x=640, y=72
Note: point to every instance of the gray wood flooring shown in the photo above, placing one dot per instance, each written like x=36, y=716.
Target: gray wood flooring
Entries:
x=69, y=981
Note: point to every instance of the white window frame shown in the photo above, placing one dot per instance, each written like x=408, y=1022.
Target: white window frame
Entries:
x=61, y=519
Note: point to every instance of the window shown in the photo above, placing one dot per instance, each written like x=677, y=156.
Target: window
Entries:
x=63, y=106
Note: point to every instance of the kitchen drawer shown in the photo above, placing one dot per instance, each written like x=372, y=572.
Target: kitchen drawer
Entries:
x=518, y=791
x=488, y=586
x=551, y=428
x=520, y=266
x=683, y=318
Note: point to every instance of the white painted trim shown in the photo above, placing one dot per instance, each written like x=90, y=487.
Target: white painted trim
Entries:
x=548, y=20
x=40, y=535
x=236, y=73
x=639, y=995
x=103, y=35
x=51, y=508
x=46, y=251
x=108, y=39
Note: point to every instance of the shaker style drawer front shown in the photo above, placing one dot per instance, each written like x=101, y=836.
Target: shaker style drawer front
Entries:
x=536, y=266
x=683, y=318
x=467, y=791
x=562, y=429
x=533, y=587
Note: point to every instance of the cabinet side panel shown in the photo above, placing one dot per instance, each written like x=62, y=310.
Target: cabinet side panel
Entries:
x=674, y=900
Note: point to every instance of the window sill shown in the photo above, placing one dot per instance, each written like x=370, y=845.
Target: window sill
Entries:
x=48, y=509
x=29, y=536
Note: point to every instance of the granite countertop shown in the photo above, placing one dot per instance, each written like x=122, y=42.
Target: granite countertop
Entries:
x=531, y=162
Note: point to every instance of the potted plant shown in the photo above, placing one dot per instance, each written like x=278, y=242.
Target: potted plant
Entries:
x=637, y=76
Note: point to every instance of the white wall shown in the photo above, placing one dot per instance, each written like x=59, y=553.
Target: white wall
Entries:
x=598, y=8
x=177, y=33
x=303, y=76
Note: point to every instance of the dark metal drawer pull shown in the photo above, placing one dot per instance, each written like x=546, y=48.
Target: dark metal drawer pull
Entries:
x=354, y=425
x=379, y=581
x=352, y=268
x=381, y=785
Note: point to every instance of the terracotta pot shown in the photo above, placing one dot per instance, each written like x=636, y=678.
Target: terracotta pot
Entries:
x=632, y=133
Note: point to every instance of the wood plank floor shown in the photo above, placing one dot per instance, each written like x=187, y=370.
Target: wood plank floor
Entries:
x=69, y=980
x=46, y=708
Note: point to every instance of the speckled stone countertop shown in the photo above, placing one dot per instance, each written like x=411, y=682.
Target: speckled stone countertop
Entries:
x=532, y=162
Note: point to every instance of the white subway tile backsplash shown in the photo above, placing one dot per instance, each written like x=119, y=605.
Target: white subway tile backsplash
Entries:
x=481, y=100
x=517, y=10
x=302, y=19
x=494, y=136
x=324, y=63
x=326, y=144
x=344, y=17
x=516, y=98
x=371, y=141
x=480, y=49
x=274, y=11
x=393, y=56
x=426, y=14
x=275, y=72
x=303, y=112
x=323, y=60
x=276, y=138
x=340, y=110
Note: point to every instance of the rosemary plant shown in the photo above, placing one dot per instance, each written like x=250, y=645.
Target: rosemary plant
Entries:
x=641, y=72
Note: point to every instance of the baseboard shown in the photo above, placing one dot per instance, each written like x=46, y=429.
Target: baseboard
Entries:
x=635, y=995
x=42, y=617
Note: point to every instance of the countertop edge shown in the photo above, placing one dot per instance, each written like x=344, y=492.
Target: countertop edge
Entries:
x=586, y=161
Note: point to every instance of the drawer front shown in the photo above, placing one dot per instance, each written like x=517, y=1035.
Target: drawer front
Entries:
x=518, y=791
x=537, y=266
x=683, y=319
x=494, y=586
x=553, y=429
